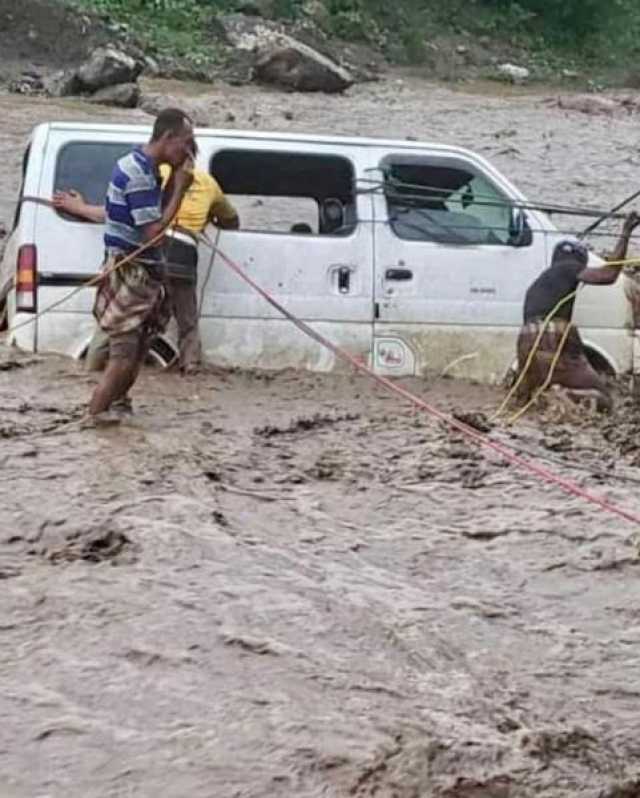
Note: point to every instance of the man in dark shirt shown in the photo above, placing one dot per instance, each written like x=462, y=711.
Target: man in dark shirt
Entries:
x=567, y=271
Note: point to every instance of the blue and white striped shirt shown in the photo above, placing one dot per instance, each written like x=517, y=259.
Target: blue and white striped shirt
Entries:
x=134, y=199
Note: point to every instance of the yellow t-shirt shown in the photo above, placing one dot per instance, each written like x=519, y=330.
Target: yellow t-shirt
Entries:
x=203, y=201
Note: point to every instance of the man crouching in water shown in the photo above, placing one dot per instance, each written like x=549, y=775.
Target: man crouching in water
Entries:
x=131, y=303
x=567, y=271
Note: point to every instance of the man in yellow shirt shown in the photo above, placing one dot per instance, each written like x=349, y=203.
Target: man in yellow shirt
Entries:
x=203, y=203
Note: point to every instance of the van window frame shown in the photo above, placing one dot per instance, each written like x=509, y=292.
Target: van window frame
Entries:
x=453, y=163
x=128, y=145
x=351, y=230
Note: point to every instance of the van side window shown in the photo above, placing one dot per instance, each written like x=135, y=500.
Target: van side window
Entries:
x=25, y=163
x=86, y=167
x=285, y=192
x=446, y=204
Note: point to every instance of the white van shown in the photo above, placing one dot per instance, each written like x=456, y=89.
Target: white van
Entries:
x=412, y=256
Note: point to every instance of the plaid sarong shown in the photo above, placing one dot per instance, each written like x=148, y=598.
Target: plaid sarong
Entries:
x=130, y=297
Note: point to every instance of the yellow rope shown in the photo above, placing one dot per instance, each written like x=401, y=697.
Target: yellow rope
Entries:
x=556, y=357
x=532, y=354
x=93, y=281
x=549, y=377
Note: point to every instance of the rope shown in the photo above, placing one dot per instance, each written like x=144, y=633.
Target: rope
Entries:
x=93, y=281
x=542, y=388
x=532, y=353
x=390, y=186
x=556, y=356
x=481, y=440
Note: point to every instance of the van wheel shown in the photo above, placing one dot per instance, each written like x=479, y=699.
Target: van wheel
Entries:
x=161, y=353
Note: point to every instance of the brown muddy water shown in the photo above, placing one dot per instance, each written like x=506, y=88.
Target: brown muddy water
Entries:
x=294, y=585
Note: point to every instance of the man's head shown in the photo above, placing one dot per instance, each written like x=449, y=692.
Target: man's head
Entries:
x=172, y=136
x=570, y=254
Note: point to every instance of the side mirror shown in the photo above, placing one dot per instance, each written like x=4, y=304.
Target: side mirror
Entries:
x=519, y=231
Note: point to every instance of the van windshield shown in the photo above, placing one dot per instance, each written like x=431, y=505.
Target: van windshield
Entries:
x=86, y=167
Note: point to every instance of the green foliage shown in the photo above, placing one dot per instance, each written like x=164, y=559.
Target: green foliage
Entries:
x=603, y=31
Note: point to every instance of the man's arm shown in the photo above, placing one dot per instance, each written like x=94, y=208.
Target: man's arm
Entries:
x=181, y=179
x=224, y=215
x=605, y=275
x=74, y=203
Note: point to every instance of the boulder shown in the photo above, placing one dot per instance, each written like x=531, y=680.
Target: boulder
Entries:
x=516, y=74
x=589, y=104
x=198, y=110
x=61, y=84
x=282, y=60
x=27, y=83
x=106, y=67
x=122, y=95
x=294, y=66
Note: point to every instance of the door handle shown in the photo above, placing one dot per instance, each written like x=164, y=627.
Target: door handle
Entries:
x=340, y=276
x=344, y=279
x=398, y=274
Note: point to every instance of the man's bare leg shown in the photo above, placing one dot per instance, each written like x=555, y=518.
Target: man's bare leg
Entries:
x=126, y=354
x=116, y=380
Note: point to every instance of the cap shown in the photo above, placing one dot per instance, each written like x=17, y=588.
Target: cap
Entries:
x=571, y=250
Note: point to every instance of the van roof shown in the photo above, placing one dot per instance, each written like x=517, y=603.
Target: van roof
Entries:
x=360, y=141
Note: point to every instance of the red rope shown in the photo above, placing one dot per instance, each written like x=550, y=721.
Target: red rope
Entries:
x=482, y=440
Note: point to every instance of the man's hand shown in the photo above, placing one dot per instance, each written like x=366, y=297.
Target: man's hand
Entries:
x=69, y=202
x=73, y=202
x=183, y=176
x=631, y=222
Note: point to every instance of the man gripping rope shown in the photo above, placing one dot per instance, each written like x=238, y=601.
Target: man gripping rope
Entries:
x=131, y=304
x=203, y=203
x=567, y=271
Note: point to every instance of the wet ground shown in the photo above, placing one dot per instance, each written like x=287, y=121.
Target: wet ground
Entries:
x=295, y=585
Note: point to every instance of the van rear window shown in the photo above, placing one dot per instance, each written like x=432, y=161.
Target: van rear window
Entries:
x=86, y=167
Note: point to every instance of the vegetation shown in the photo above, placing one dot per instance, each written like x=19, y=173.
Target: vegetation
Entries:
x=588, y=33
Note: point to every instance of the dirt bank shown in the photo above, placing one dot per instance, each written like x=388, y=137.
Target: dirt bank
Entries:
x=293, y=585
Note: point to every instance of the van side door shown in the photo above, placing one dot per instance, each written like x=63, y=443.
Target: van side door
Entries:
x=71, y=250
x=300, y=239
x=452, y=263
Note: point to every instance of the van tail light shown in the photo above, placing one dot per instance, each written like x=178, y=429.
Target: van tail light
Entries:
x=27, y=279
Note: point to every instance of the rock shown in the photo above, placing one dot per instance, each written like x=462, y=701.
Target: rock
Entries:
x=297, y=67
x=106, y=67
x=588, y=104
x=151, y=66
x=27, y=83
x=282, y=60
x=61, y=84
x=122, y=95
x=516, y=74
x=198, y=110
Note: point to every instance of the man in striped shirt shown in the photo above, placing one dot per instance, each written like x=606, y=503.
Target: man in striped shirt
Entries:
x=131, y=302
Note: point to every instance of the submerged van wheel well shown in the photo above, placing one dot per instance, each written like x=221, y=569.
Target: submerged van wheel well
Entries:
x=161, y=352
x=599, y=362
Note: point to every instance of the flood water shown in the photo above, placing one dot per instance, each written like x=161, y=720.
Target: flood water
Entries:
x=296, y=585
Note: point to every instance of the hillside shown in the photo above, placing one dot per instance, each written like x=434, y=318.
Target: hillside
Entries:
x=587, y=42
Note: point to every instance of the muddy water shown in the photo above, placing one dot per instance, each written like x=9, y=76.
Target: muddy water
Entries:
x=293, y=585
